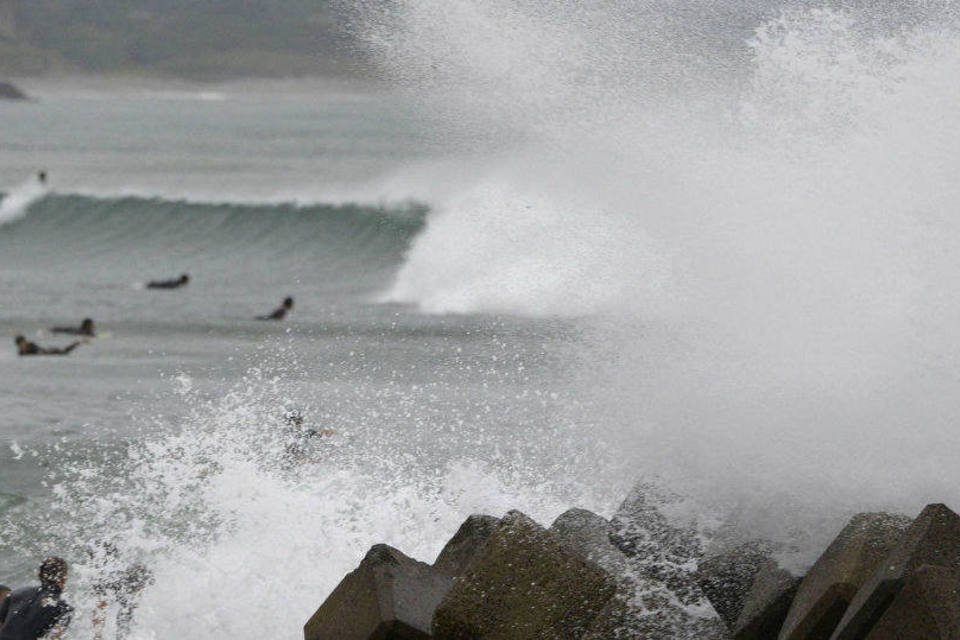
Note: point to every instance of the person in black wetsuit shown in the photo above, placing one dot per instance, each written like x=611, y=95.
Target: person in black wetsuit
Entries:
x=280, y=312
x=86, y=328
x=38, y=612
x=42, y=177
x=27, y=348
x=182, y=281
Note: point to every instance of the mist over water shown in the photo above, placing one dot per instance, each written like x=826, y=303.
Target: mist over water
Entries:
x=758, y=219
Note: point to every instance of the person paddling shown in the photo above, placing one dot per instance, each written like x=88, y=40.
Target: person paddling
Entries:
x=27, y=348
x=86, y=328
x=182, y=281
x=280, y=312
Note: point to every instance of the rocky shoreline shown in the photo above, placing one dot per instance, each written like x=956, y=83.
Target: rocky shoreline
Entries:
x=640, y=576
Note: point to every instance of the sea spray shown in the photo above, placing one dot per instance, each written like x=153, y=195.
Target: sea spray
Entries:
x=16, y=203
x=234, y=492
x=791, y=180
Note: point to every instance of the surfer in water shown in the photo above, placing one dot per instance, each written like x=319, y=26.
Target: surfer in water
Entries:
x=182, y=281
x=299, y=439
x=38, y=612
x=86, y=328
x=27, y=348
x=42, y=177
x=280, y=312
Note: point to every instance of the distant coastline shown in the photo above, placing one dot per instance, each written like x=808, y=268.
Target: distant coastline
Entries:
x=157, y=38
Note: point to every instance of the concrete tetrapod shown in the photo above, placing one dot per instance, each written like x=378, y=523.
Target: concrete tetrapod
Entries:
x=836, y=576
x=589, y=535
x=727, y=577
x=658, y=595
x=767, y=603
x=927, y=608
x=388, y=597
x=933, y=539
x=524, y=584
x=463, y=547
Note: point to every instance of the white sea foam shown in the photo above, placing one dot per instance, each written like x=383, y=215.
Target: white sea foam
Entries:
x=769, y=237
x=225, y=500
x=17, y=202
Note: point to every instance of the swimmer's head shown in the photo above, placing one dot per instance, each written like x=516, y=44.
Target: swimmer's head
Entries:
x=53, y=572
x=19, y=340
x=184, y=279
x=288, y=303
x=87, y=325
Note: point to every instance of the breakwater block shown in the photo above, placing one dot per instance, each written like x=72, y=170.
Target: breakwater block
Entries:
x=589, y=535
x=727, y=577
x=463, y=547
x=388, y=597
x=658, y=595
x=658, y=548
x=932, y=539
x=766, y=604
x=926, y=608
x=834, y=579
x=643, y=611
x=525, y=584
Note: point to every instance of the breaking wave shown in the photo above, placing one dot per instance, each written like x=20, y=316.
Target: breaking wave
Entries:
x=755, y=205
x=348, y=243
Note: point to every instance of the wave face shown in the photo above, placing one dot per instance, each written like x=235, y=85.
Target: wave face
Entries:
x=340, y=249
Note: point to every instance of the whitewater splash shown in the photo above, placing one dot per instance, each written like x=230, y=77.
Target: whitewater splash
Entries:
x=16, y=203
x=573, y=268
x=236, y=494
x=760, y=205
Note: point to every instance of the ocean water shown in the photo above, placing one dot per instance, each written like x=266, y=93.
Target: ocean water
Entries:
x=558, y=249
x=165, y=435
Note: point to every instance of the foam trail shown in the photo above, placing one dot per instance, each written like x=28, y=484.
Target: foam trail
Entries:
x=16, y=203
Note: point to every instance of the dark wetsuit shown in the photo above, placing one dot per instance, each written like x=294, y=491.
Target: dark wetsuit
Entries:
x=279, y=314
x=32, y=349
x=28, y=614
x=73, y=331
x=166, y=284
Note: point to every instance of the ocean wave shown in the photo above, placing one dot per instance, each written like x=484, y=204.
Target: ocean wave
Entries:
x=119, y=225
x=16, y=203
x=799, y=193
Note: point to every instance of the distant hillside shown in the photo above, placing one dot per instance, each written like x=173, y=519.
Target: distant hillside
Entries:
x=208, y=39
